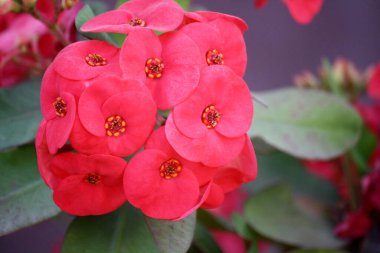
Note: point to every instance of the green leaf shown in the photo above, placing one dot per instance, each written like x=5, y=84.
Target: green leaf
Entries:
x=85, y=14
x=24, y=198
x=19, y=113
x=204, y=241
x=242, y=228
x=127, y=230
x=276, y=167
x=364, y=149
x=184, y=3
x=274, y=214
x=308, y=124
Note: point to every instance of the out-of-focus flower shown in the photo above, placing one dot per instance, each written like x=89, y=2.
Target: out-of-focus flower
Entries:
x=355, y=224
x=68, y=4
x=374, y=83
x=307, y=80
x=229, y=242
x=371, y=188
x=7, y=6
x=303, y=11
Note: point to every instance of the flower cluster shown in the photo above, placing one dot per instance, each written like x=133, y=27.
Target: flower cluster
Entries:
x=173, y=105
x=31, y=38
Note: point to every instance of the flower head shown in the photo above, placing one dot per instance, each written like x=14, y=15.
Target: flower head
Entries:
x=88, y=185
x=169, y=64
x=210, y=125
x=159, y=15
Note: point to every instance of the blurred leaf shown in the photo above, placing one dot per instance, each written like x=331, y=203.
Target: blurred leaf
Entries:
x=184, y=3
x=364, y=149
x=24, y=198
x=274, y=214
x=85, y=14
x=19, y=113
x=128, y=230
x=212, y=221
x=204, y=241
x=316, y=251
x=308, y=124
x=241, y=227
x=278, y=167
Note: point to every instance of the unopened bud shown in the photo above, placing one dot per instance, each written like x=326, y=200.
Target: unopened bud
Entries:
x=29, y=4
x=306, y=80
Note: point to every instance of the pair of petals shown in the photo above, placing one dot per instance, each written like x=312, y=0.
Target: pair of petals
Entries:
x=180, y=56
x=74, y=194
x=159, y=15
x=188, y=135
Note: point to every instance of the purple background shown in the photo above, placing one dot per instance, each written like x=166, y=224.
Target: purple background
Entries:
x=278, y=48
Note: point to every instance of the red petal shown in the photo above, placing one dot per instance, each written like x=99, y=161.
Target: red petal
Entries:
x=58, y=129
x=215, y=198
x=209, y=15
x=112, y=21
x=303, y=11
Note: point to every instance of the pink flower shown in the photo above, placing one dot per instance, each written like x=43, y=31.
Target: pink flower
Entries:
x=229, y=242
x=210, y=125
x=220, y=43
x=207, y=16
x=355, y=224
x=160, y=182
x=374, y=83
x=115, y=118
x=59, y=110
x=88, y=185
x=303, y=11
x=85, y=60
x=159, y=15
x=169, y=64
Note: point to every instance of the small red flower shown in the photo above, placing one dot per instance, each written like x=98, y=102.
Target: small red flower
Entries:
x=169, y=64
x=220, y=43
x=303, y=11
x=210, y=125
x=160, y=182
x=59, y=110
x=159, y=15
x=85, y=60
x=88, y=185
x=355, y=224
x=260, y=3
x=374, y=83
x=115, y=118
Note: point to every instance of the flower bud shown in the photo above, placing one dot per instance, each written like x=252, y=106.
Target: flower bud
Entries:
x=306, y=80
x=68, y=4
x=28, y=4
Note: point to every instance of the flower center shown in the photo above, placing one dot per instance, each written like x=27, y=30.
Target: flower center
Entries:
x=210, y=116
x=115, y=125
x=92, y=179
x=60, y=107
x=170, y=169
x=136, y=22
x=213, y=57
x=95, y=60
x=154, y=68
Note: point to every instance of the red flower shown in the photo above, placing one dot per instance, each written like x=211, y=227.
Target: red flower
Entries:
x=303, y=11
x=159, y=15
x=220, y=43
x=207, y=16
x=59, y=110
x=260, y=3
x=160, y=182
x=169, y=64
x=370, y=115
x=89, y=185
x=115, y=118
x=210, y=126
x=374, y=83
x=355, y=224
x=85, y=60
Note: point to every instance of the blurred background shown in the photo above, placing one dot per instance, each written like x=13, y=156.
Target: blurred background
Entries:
x=278, y=48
